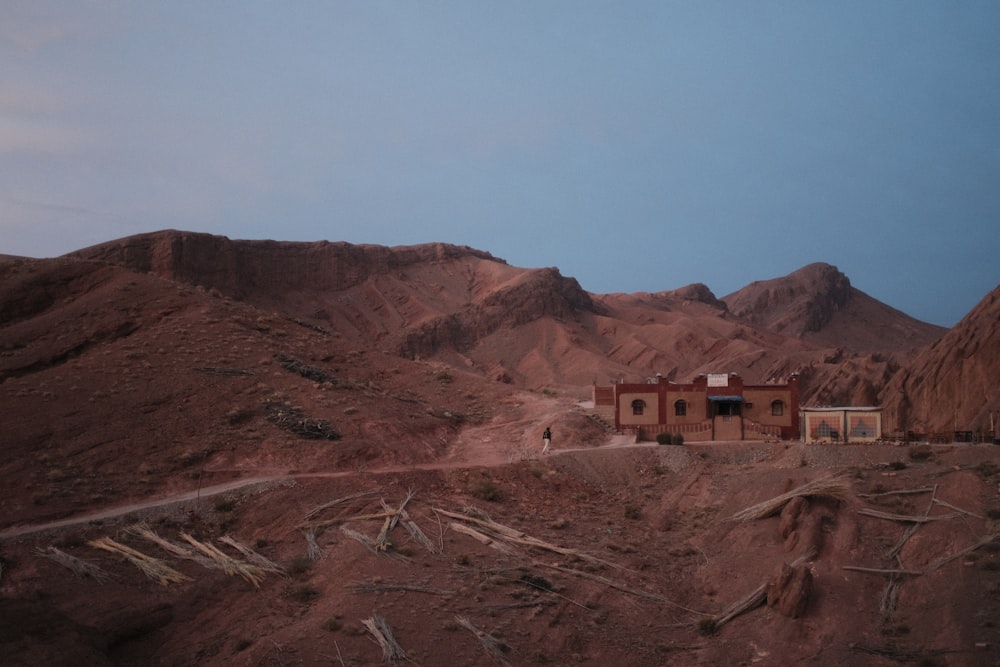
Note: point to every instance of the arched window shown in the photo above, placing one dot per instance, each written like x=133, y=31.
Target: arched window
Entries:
x=638, y=405
x=680, y=409
x=777, y=408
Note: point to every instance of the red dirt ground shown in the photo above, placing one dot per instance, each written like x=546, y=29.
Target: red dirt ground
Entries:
x=656, y=517
x=637, y=555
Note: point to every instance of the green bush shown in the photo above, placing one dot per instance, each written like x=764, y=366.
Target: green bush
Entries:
x=677, y=439
x=664, y=438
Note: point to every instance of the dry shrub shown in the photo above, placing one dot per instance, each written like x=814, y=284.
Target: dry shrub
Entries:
x=485, y=489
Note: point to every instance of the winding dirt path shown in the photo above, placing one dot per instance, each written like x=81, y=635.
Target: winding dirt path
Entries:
x=264, y=481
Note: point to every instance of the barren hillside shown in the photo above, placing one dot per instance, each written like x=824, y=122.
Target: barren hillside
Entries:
x=534, y=327
x=208, y=444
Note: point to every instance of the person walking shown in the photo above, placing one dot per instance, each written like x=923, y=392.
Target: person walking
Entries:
x=546, y=439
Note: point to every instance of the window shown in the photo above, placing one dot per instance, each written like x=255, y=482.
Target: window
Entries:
x=777, y=408
x=638, y=405
x=680, y=409
x=862, y=430
x=826, y=430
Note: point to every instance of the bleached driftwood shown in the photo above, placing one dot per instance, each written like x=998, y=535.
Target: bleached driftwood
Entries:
x=333, y=503
x=382, y=541
x=494, y=648
x=756, y=598
x=313, y=550
x=154, y=568
x=77, y=566
x=252, y=556
x=252, y=573
x=905, y=518
x=947, y=559
x=835, y=486
x=938, y=501
x=382, y=632
x=498, y=531
x=379, y=587
x=877, y=570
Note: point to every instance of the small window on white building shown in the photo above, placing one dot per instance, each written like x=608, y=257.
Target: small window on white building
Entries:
x=777, y=408
x=638, y=405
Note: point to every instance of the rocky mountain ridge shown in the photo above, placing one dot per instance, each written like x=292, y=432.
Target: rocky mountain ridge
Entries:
x=535, y=327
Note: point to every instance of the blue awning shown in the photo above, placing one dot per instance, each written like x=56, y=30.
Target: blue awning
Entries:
x=736, y=399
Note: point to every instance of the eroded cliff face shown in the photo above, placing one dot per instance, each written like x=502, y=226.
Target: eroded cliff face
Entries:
x=952, y=384
x=248, y=269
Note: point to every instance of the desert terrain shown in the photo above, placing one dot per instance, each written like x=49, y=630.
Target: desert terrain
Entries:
x=216, y=456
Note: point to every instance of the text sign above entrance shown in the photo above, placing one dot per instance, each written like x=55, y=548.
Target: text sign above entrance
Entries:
x=718, y=380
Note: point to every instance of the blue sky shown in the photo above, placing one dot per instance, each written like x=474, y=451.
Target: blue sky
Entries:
x=637, y=146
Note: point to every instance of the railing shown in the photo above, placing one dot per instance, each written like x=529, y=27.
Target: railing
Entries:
x=653, y=430
x=766, y=430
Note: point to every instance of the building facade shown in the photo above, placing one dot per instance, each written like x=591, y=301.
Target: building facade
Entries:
x=845, y=424
x=712, y=407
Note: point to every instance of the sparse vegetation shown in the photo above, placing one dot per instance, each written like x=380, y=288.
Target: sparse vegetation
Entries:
x=304, y=593
x=223, y=504
x=299, y=566
x=708, y=626
x=485, y=489
x=987, y=469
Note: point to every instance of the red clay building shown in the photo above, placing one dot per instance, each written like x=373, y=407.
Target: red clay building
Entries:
x=713, y=407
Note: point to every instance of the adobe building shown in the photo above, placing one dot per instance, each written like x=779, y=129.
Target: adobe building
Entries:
x=716, y=406
x=845, y=424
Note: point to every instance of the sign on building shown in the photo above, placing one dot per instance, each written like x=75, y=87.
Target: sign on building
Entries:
x=718, y=379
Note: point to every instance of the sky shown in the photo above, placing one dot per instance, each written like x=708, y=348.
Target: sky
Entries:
x=637, y=146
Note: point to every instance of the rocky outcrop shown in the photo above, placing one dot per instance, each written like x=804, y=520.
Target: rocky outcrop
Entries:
x=698, y=292
x=542, y=293
x=818, y=304
x=952, y=384
x=803, y=301
x=788, y=590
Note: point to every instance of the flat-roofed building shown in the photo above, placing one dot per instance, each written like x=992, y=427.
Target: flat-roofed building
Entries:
x=717, y=406
x=841, y=424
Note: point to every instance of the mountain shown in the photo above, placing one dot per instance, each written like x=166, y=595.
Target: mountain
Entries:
x=276, y=405
x=952, y=384
x=537, y=328
x=817, y=304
